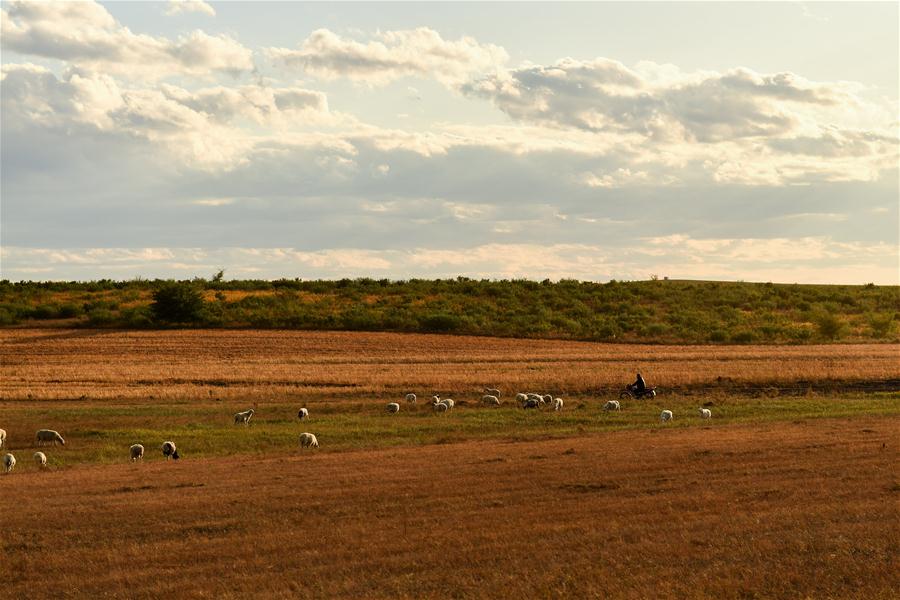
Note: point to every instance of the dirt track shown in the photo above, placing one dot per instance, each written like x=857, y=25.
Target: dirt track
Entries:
x=776, y=510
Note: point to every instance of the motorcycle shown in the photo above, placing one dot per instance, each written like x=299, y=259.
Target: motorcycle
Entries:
x=630, y=393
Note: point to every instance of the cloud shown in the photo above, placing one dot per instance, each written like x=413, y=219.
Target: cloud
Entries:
x=86, y=35
x=177, y=7
x=420, y=52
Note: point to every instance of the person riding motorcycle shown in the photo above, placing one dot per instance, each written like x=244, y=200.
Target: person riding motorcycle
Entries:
x=639, y=387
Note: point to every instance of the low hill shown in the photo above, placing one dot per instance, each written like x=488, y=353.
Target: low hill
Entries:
x=640, y=311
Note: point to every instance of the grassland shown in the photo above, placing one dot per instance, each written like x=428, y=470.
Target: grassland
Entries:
x=657, y=311
x=789, y=491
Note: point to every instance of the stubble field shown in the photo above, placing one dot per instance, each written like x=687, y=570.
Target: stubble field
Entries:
x=791, y=490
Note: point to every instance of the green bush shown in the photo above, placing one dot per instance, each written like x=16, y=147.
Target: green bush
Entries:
x=829, y=326
x=177, y=302
x=441, y=322
x=101, y=317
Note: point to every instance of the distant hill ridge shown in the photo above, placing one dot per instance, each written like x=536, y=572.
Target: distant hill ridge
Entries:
x=663, y=311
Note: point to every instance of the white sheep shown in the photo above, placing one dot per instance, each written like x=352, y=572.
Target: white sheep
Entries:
x=547, y=398
x=492, y=392
x=411, y=398
x=521, y=398
x=449, y=402
x=534, y=396
x=40, y=459
x=308, y=440
x=243, y=417
x=557, y=404
x=490, y=400
x=48, y=435
x=303, y=414
x=2, y=437
x=612, y=405
x=666, y=415
x=9, y=461
x=169, y=449
x=439, y=407
x=705, y=413
x=137, y=452
x=393, y=407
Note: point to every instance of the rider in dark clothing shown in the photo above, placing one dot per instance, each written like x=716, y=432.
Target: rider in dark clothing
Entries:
x=639, y=386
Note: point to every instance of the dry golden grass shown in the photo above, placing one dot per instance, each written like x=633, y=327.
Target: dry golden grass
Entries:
x=68, y=364
x=803, y=510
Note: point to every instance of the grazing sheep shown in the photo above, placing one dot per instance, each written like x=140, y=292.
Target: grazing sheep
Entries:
x=411, y=398
x=438, y=406
x=2, y=437
x=393, y=407
x=308, y=440
x=168, y=449
x=666, y=415
x=705, y=413
x=492, y=392
x=520, y=397
x=490, y=400
x=557, y=404
x=9, y=461
x=612, y=405
x=48, y=435
x=40, y=459
x=137, y=452
x=449, y=402
x=548, y=399
x=243, y=417
x=531, y=403
x=534, y=396
x=303, y=414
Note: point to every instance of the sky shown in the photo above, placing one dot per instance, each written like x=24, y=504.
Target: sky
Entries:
x=594, y=141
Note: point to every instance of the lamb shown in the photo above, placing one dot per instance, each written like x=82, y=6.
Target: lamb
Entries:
x=449, y=402
x=9, y=461
x=393, y=407
x=557, y=404
x=666, y=415
x=2, y=437
x=705, y=413
x=137, y=452
x=40, y=459
x=303, y=414
x=48, y=435
x=521, y=398
x=531, y=403
x=548, y=399
x=308, y=440
x=168, y=449
x=411, y=398
x=243, y=417
x=612, y=405
x=490, y=400
x=438, y=406
x=492, y=392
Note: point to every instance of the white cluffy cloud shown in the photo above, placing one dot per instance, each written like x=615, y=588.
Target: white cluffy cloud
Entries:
x=86, y=35
x=176, y=7
x=420, y=52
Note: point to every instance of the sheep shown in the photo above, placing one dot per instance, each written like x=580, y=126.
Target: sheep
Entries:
x=308, y=440
x=666, y=415
x=137, y=452
x=438, y=406
x=449, y=402
x=531, y=403
x=2, y=437
x=393, y=407
x=521, y=398
x=40, y=459
x=168, y=449
x=9, y=461
x=612, y=405
x=48, y=435
x=547, y=398
x=492, y=392
x=490, y=400
x=705, y=413
x=303, y=414
x=557, y=404
x=243, y=417
x=534, y=396
x=411, y=398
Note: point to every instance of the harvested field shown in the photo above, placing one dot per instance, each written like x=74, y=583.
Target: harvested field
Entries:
x=764, y=511
x=99, y=364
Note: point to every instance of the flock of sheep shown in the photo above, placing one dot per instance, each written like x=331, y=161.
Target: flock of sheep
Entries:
x=491, y=397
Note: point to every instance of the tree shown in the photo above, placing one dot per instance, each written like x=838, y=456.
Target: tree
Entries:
x=177, y=302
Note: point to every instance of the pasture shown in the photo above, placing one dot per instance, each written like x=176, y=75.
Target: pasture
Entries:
x=789, y=490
